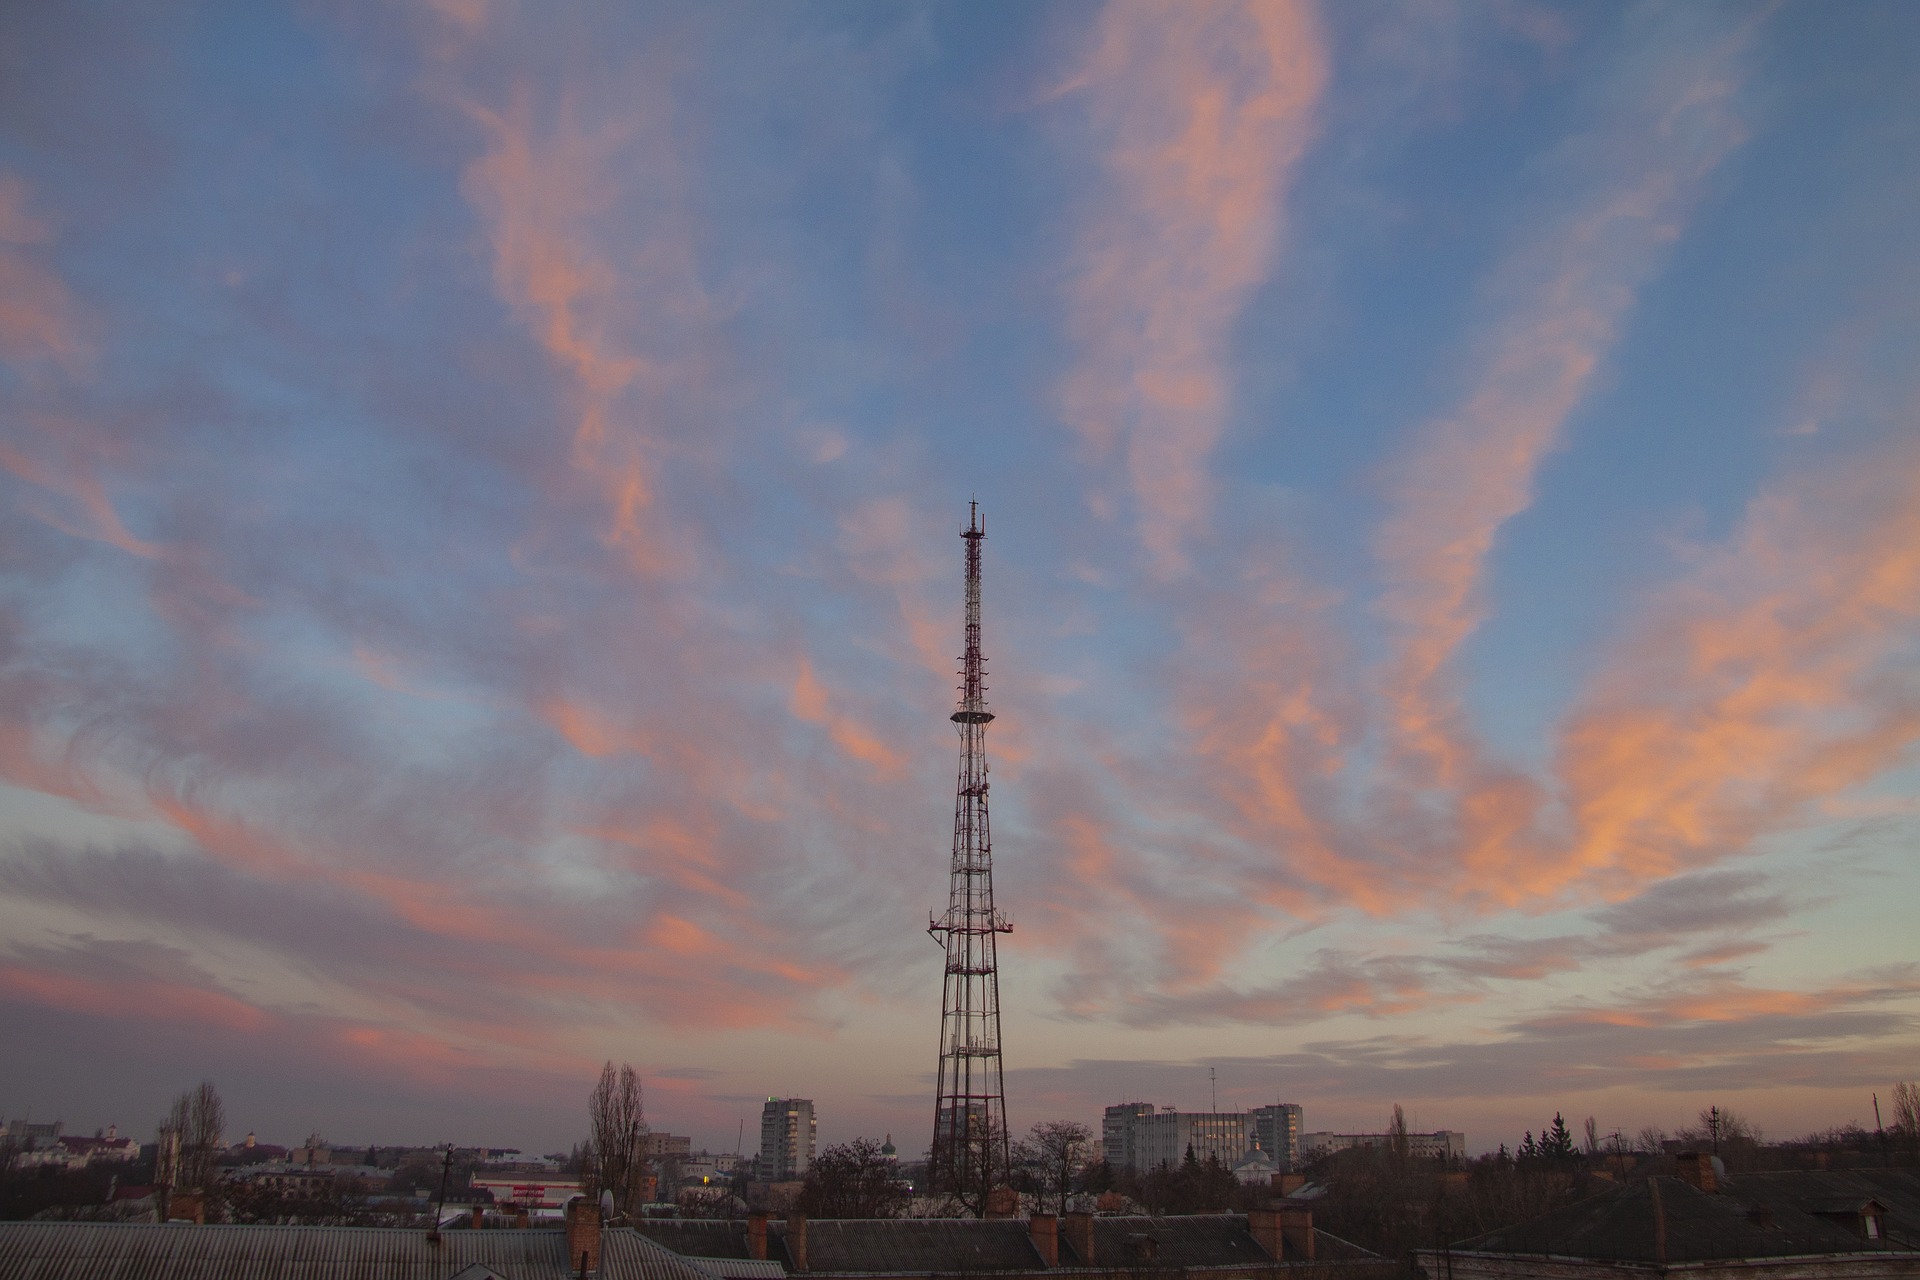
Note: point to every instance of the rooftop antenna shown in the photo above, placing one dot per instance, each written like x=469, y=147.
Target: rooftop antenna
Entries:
x=970, y=1151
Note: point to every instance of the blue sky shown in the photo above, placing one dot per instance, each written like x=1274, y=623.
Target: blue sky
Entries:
x=480, y=589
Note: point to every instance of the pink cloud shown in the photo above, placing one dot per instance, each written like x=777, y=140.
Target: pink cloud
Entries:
x=1565, y=294
x=1201, y=114
x=812, y=703
x=1755, y=691
x=614, y=320
x=39, y=319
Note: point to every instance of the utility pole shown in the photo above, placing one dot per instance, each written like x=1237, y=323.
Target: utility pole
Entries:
x=970, y=1147
x=440, y=1205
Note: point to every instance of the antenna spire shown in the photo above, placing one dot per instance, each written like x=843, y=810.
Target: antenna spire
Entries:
x=970, y=1146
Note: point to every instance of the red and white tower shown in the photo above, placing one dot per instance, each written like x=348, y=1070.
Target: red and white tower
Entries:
x=969, y=1156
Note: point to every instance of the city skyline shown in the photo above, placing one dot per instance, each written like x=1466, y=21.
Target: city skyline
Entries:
x=478, y=495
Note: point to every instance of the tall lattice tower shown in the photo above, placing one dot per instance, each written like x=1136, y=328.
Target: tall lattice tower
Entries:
x=970, y=1116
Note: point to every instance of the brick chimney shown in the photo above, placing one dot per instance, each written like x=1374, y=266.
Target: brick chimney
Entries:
x=1264, y=1226
x=1296, y=1232
x=479, y=1216
x=188, y=1205
x=583, y=1235
x=1696, y=1168
x=521, y=1218
x=797, y=1240
x=1044, y=1230
x=757, y=1236
x=1078, y=1228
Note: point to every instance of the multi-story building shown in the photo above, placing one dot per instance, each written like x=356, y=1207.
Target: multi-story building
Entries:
x=1140, y=1137
x=1120, y=1135
x=787, y=1132
x=547, y=1192
x=1276, y=1128
x=1442, y=1144
x=665, y=1146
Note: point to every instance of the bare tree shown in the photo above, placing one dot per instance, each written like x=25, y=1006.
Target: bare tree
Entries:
x=1398, y=1144
x=1906, y=1115
x=1051, y=1154
x=190, y=1138
x=1593, y=1136
x=612, y=1160
x=854, y=1180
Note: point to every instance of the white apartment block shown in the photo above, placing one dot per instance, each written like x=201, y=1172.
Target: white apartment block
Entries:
x=1140, y=1137
x=1443, y=1144
x=787, y=1133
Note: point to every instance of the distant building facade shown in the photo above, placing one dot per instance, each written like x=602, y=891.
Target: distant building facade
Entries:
x=1140, y=1137
x=665, y=1146
x=1442, y=1144
x=548, y=1192
x=787, y=1134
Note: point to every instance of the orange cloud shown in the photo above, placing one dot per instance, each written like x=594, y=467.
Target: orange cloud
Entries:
x=1202, y=114
x=542, y=194
x=590, y=732
x=1761, y=687
x=1566, y=293
x=812, y=704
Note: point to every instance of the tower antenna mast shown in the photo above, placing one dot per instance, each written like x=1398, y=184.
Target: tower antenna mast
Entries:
x=970, y=1150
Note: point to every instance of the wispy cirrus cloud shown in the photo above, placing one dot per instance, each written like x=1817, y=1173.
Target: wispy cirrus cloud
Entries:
x=488, y=601
x=39, y=318
x=1704, y=1034
x=1615, y=198
x=1767, y=682
x=1200, y=116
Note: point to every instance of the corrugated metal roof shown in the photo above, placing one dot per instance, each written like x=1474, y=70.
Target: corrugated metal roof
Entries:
x=180, y=1251
x=698, y=1237
x=628, y=1255
x=741, y=1268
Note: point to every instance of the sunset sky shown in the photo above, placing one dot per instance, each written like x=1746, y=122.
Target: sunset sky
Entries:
x=478, y=497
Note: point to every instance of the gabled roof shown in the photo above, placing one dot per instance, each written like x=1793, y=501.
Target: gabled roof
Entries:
x=914, y=1244
x=1186, y=1240
x=625, y=1254
x=741, y=1268
x=1189, y=1240
x=905, y=1246
x=1897, y=1191
x=698, y=1237
x=182, y=1251
x=1623, y=1225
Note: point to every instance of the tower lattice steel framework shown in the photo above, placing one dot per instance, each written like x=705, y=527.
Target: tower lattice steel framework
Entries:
x=969, y=1156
